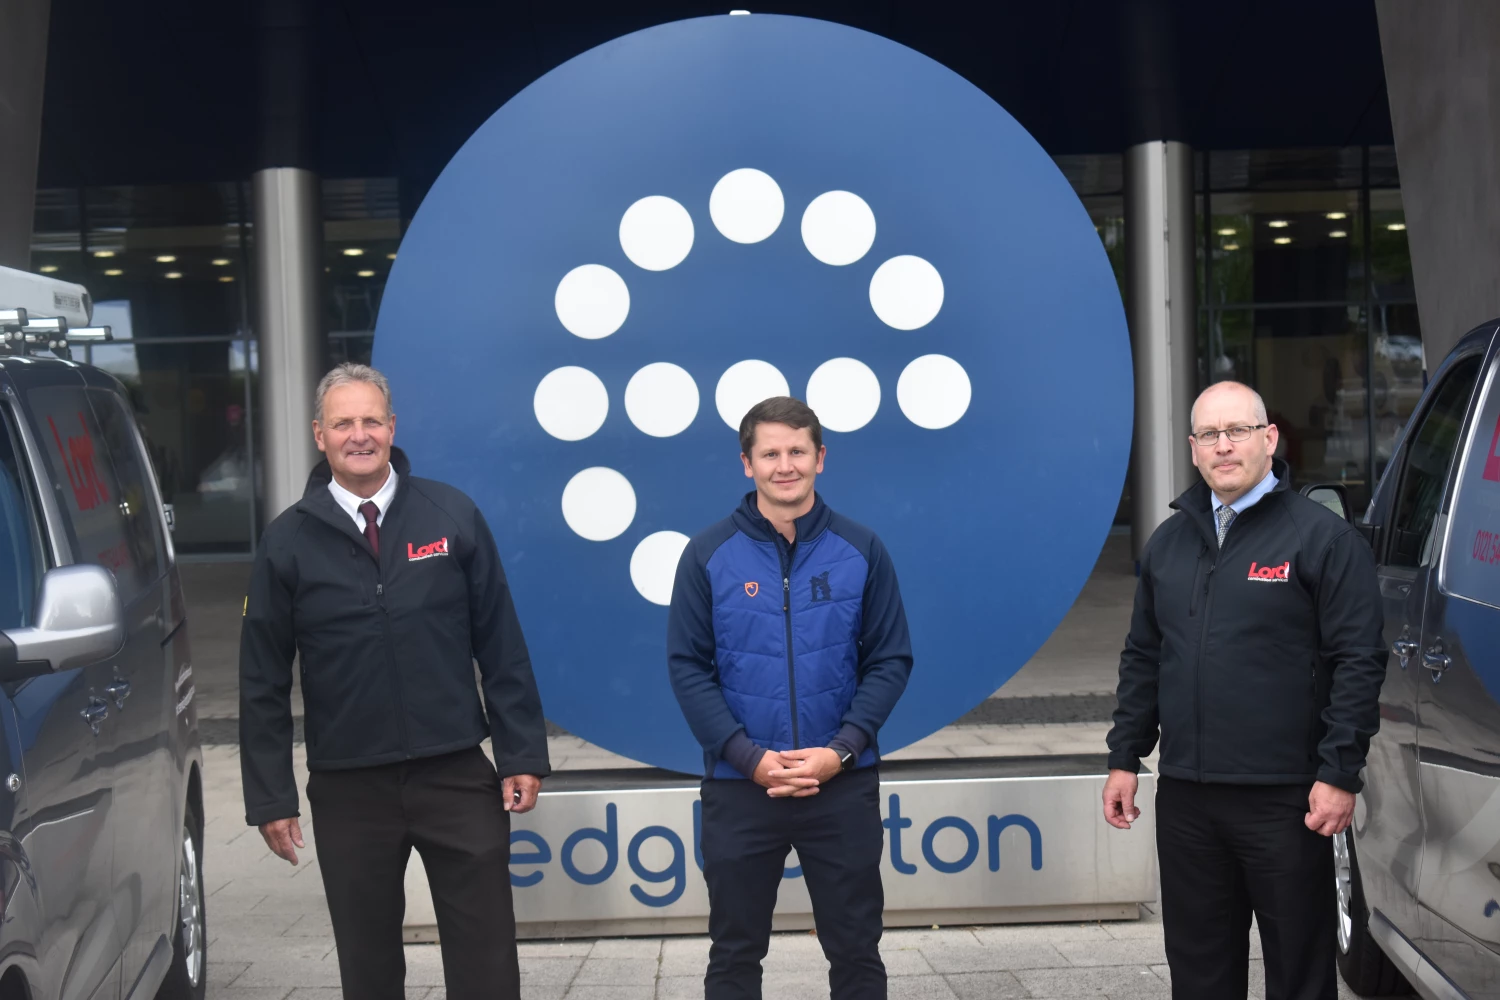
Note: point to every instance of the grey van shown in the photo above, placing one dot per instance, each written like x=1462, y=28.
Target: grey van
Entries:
x=101, y=809
x=1418, y=872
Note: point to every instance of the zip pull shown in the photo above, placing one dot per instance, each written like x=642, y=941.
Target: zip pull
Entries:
x=786, y=593
x=380, y=590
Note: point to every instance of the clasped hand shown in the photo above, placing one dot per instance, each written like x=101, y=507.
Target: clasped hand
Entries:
x=796, y=773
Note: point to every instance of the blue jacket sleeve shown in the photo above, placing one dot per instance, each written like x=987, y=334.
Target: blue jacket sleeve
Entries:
x=690, y=655
x=885, y=658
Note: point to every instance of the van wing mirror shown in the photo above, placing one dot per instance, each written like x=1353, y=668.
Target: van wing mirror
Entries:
x=79, y=620
x=1331, y=495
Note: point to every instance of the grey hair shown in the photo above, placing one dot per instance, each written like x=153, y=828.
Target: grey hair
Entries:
x=1260, y=404
x=347, y=374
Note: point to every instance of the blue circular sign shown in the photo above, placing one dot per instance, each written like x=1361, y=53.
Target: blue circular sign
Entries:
x=677, y=224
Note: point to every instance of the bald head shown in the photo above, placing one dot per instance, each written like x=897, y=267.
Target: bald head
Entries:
x=1232, y=468
x=1237, y=391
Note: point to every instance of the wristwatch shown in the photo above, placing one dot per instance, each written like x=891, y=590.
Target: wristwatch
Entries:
x=847, y=760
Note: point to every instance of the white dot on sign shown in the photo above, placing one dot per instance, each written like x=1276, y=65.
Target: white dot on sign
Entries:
x=934, y=391
x=838, y=227
x=653, y=565
x=744, y=384
x=570, y=403
x=844, y=393
x=656, y=233
x=746, y=205
x=598, y=504
x=906, y=292
x=592, y=301
x=661, y=399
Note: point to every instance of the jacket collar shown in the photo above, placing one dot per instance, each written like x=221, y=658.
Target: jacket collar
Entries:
x=1197, y=500
x=748, y=518
x=319, y=502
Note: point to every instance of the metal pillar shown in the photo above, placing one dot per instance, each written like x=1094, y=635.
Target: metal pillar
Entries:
x=23, y=73
x=288, y=265
x=288, y=251
x=1163, y=314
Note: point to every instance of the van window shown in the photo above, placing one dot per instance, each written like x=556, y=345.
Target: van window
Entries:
x=1429, y=454
x=21, y=559
x=84, y=481
x=143, y=519
x=1471, y=562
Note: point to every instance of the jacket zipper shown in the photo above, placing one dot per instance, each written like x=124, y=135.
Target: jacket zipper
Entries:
x=385, y=622
x=1208, y=584
x=791, y=672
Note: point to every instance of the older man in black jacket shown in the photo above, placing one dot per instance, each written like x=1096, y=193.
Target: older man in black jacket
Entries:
x=389, y=588
x=1255, y=649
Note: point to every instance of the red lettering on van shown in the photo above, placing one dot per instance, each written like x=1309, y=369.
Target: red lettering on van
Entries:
x=1492, y=460
x=78, y=460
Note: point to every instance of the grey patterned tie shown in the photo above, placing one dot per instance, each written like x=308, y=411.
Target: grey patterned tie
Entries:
x=1225, y=517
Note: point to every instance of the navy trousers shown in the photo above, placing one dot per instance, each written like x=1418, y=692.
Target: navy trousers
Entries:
x=1228, y=851
x=839, y=841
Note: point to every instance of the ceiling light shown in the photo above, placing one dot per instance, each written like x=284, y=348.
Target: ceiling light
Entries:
x=1282, y=241
x=173, y=274
x=104, y=253
x=221, y=262
x=1278, y=223
x=367, y=274
x=353, y=252
x=738, y=13
x=1396, y=227
x=1227, y=232
x=1231, y=246
x=1336, y=215
x=390, y=256
x=114, y=272
x=167, y=258
x=1338, y=234
x=48, y=268
x=226, y=278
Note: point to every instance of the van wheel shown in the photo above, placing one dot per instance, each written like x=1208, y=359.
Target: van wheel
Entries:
x=1363, y=965
x=187, y=979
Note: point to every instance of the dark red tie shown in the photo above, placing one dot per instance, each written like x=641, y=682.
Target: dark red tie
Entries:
x=372, y=530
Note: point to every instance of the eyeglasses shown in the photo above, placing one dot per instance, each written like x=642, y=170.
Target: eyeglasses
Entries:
x=1207, y=439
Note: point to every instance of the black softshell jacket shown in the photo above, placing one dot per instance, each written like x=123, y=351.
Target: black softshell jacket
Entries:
x=387, y=647
x=1261, y=662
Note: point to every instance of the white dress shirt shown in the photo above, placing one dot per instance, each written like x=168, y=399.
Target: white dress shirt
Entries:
x=382, y=500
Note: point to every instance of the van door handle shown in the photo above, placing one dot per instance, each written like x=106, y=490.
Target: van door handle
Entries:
x=119, y=690
x=1404, y=649
x=94, y=713
x=1436, y=661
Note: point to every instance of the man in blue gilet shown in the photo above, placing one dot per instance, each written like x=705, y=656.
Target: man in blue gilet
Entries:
x=788, y=648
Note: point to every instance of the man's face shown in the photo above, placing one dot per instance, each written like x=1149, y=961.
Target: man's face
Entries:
x=1231, y=468
x=356, y=431
x=783, y=463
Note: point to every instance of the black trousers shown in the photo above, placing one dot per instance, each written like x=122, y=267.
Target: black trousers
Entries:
x=367, y=821
x=839, y=840
x=1227, y=851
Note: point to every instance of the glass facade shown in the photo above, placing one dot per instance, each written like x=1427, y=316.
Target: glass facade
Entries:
x=169, y=269
x=1304, y=290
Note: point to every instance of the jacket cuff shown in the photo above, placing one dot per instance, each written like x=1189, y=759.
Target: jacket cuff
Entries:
x=271, y=813
x=1339, y=779
x=851, y=738
x=1120, y=760
x=742, y=753
x=538, y=767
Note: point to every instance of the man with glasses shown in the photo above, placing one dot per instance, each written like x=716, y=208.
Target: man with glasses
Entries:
x=1255, y=653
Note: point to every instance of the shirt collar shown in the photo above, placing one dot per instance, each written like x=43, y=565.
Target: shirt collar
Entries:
x=350, y=502
x=1250, y=499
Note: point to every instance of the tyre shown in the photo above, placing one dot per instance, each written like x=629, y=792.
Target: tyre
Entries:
x=1365, y=968
x=187, y=979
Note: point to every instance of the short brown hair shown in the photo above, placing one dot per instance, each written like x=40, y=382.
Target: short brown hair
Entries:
x=779, y=410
